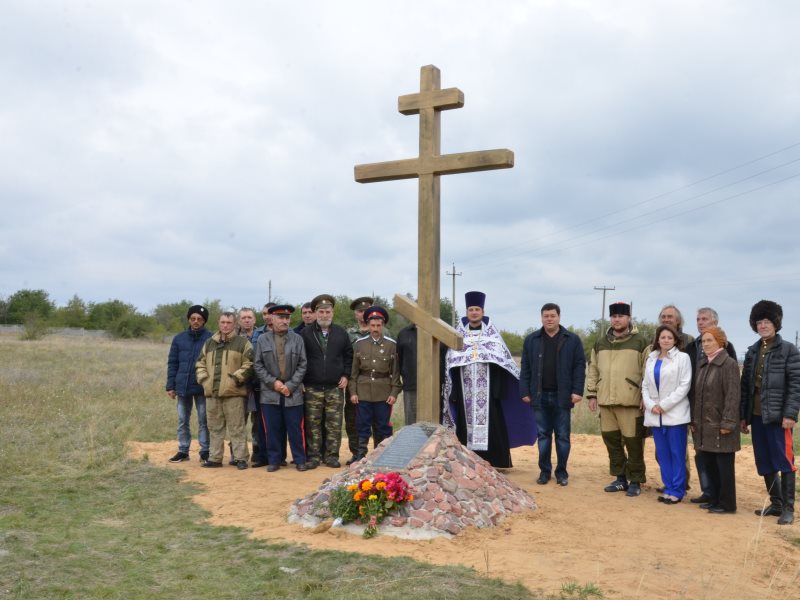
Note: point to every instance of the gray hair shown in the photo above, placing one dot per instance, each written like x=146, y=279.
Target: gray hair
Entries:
x=677, y=312
x=710, y=311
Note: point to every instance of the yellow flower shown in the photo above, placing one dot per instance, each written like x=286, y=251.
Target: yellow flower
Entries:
x=380, y=485
x=352, y=487
x=366, y=486
x=373, y=497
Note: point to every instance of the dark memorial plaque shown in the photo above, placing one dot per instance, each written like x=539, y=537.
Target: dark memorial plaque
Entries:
x=404, y=447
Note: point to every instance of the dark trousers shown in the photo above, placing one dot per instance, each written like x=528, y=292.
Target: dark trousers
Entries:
x=281, y=421
x=552, y=419
x=259, y=437
x=702, y=472
x=772, y=447
x=722, y=474
x=377, y=413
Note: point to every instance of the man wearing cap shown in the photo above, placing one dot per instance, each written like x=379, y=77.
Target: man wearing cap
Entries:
x=770, y=401
x=307, y=316
x=706, y=317
x=280, y=364
x=224, y=369
x=330, y=358
x=374, y=380
x=481, y=390
x=356, y=332
x=182, y=383
x=614, y=381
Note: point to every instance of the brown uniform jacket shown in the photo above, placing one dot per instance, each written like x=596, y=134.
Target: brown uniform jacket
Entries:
x=376, y=372
x=716, y=404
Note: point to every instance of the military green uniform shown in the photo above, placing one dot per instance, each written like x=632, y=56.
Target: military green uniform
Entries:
x=350, y=409
x=374, y=378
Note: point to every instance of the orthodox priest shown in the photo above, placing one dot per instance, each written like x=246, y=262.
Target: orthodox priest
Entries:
x=481, y=390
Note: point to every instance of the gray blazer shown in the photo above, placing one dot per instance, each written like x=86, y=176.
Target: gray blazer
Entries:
x=266, y=367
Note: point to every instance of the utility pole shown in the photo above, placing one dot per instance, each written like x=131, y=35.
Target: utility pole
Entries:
x=269, y=292
x=453, y=275
x=603, y=306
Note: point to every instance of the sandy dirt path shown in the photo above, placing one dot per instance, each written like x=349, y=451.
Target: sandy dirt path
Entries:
x=629, y=547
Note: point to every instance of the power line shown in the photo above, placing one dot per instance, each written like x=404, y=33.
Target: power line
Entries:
x=657, y=197
x=539, y=251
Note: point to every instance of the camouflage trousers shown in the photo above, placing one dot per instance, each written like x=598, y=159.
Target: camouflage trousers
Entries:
x=323, y=413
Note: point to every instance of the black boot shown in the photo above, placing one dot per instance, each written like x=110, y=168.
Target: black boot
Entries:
x=787, y=489
x=363, y=446
x=775, y=508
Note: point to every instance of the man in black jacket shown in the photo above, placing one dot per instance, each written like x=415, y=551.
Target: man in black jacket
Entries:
x=330, y=358
x=770, y=401
x=552, y=376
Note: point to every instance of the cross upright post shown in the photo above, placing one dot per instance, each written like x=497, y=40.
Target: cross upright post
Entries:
x=428, y=167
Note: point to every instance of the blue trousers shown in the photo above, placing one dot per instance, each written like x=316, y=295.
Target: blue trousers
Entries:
x=552, y=419
x=283, y=421
x=377, y=412
x=671, y=453
x=772, y=447
x=184, y=406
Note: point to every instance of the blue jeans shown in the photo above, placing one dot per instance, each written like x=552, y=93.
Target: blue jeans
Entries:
x=184, y=404
x=670, y=443
x=552, y=418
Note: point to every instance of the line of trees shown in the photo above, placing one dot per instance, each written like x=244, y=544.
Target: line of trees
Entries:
x=37, y=313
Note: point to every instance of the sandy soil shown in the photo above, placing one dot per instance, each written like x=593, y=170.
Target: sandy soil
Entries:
x=629, y=547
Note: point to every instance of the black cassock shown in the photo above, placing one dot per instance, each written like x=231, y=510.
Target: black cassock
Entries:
x=499, y=452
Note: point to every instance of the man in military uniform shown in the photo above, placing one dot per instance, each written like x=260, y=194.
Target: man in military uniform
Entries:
x=359, y=330
x=374, y=380
x=330, y=359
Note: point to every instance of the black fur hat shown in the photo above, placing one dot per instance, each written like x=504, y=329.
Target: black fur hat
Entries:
x=766, y=309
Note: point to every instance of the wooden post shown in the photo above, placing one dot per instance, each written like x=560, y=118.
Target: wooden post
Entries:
x=428, y=167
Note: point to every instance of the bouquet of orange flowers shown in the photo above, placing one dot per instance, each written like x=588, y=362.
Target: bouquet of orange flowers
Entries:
x=370, y=500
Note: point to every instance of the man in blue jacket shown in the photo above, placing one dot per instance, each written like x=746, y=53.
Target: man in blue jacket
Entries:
x=552, y=376
x=182, y=383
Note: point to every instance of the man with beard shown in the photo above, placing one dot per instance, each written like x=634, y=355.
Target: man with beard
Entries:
x=481, y=391
x=330, y=358
x=616, y=367
x=182, y=383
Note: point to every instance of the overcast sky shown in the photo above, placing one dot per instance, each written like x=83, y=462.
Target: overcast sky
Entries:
x=158, y=151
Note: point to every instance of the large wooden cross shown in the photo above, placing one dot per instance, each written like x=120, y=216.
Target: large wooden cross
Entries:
x=428, y=166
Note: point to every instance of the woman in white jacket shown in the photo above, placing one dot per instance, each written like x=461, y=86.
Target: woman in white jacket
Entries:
x=665, y=399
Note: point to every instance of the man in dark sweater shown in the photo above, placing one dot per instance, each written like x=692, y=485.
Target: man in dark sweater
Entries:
x=552, y=376
x=330, y=358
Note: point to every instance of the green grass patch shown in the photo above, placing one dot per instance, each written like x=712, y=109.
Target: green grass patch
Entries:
x=79, y=519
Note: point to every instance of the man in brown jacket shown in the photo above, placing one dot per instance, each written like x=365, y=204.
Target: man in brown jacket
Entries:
x=374, y=380
x=224, y=368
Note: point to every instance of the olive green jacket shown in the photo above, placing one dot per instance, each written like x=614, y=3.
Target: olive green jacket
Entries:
x=616, y=368
x=225, y=368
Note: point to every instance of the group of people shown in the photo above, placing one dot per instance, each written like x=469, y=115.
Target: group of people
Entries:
x=669, y=387
x=298, y=385
x=295, y=385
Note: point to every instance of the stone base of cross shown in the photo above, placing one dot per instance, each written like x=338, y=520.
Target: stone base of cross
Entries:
x=427, y=167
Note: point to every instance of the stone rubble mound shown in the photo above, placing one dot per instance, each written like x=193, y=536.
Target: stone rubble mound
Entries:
x=453, y=489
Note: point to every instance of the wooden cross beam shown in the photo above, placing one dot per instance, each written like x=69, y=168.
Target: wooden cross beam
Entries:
x=427, y=167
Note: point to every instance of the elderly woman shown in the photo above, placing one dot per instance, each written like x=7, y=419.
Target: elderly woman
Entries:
x=715, y=418
x=665, y=398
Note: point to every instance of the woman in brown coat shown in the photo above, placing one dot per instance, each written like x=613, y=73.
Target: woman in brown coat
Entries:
x=715, y=418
